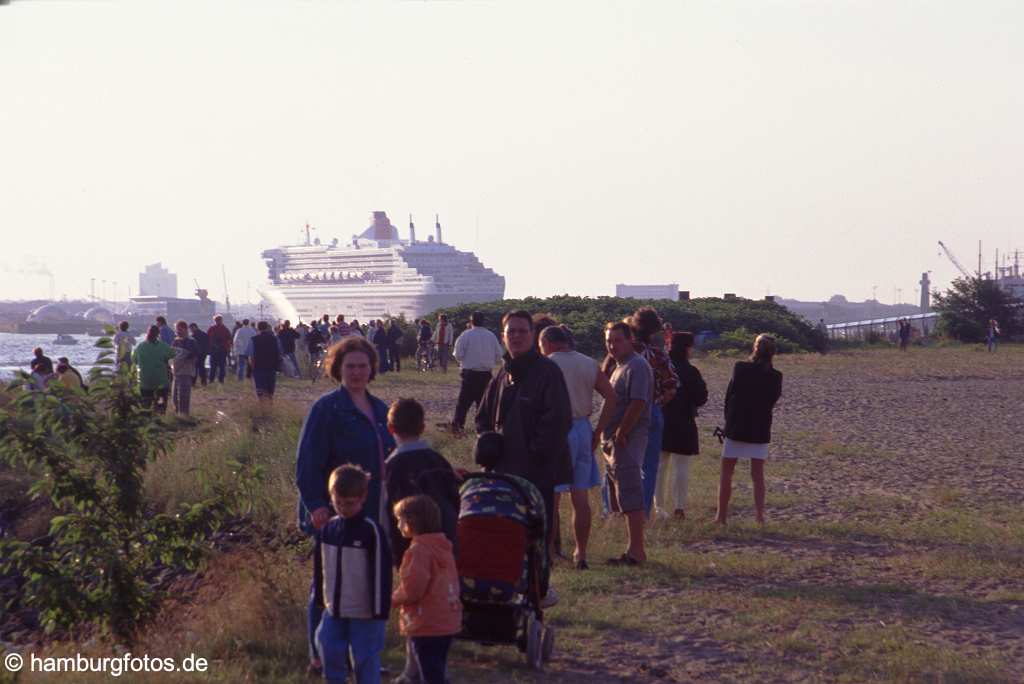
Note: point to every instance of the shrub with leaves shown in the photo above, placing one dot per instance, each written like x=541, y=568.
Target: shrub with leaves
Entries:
x=105, y=548
x=586, y=317
x=967, y=306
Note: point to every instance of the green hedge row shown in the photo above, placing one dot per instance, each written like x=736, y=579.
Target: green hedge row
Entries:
x=586, y=316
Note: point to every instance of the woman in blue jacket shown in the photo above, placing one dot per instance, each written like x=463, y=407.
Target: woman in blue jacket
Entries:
x=348, y=425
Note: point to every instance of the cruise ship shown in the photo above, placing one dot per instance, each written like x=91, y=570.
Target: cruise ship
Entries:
x=376, y=275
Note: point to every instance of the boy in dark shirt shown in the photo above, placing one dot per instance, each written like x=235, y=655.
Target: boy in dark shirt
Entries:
x=412, y=469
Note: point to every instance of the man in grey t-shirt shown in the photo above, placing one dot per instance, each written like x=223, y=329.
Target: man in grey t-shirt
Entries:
x=625, y=438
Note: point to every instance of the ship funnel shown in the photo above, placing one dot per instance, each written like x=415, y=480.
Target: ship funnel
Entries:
x=437, y=225
x=412, y=231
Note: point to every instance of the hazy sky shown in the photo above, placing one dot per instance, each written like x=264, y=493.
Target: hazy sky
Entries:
x=801, y=148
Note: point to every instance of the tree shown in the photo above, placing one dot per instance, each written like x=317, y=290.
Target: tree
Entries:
x=967, y=306
x=106, y=545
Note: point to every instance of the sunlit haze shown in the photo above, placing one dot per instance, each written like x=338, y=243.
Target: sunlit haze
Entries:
x=800, y=149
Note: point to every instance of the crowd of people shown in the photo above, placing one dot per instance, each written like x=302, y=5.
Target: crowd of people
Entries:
x=540, y=404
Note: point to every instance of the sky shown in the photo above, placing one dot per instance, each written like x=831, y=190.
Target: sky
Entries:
x=800, y=149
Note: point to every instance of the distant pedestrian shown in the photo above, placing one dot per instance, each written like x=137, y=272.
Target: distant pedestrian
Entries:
x=904, y=333
x=992, y=335
x=394, y=339
x=425, y=346
x=263, y=355
x=287, y=337
x=344, y=329
x=220, y=345
x=202, y=351
x=241, y=348
x=124, y=343
x=78, y=381
x=379, y=337
x=186, y=353
x=680, y=441
x=41, y=363
x=355, y=329
x=443, y=336
x=315, y=343
x=478, y=351
x=749, y=400
x=166, y=334
x=624, y=441
x=151, y=358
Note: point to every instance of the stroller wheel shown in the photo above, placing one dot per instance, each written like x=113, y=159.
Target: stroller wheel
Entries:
x=547, y=645
x=534, y=643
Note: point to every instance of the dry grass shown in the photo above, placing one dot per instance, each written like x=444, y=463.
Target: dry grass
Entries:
x=894, y=549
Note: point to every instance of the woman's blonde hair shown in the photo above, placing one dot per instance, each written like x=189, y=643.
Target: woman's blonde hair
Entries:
x=764, y=349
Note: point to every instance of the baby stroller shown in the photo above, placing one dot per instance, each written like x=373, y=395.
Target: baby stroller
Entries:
x=502, y=565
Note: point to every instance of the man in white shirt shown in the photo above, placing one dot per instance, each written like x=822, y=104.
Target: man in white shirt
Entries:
x=583, y=377
x=241, y=347
x=478, y=351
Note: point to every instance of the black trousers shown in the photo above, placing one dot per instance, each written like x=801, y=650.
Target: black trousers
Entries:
x=201, y=369
x=474, y=384
x=432, y=656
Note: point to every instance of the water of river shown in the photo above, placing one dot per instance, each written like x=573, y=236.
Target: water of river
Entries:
x=16, y=351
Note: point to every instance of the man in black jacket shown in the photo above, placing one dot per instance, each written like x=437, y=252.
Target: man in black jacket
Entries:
x=202, y=351
x=528, y=403
x=264, y=354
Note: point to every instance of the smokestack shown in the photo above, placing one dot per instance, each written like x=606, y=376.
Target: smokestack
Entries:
x=925, y=293
x=412, y=231
x=437, y=225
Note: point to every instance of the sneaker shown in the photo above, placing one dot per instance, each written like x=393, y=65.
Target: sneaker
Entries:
x=551, y=598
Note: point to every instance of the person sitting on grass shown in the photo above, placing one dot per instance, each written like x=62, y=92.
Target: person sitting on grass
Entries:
x=428, y=587
x=352, y=582
x=412, y=469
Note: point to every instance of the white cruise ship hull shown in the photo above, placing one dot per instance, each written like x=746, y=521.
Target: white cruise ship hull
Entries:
x=377, y=275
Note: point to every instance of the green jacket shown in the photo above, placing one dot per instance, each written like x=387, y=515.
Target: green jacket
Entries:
x=151, y=359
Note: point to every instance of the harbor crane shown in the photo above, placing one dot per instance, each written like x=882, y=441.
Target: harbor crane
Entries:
x=956, y=262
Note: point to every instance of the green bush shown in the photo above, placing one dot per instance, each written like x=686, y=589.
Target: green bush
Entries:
x=105, y=546
x=741, y=341
x=587, y=316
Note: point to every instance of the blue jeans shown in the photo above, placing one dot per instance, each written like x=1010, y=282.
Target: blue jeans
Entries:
x=294, y=372
x=243, y=365
x=652, y=457
x=336, y=637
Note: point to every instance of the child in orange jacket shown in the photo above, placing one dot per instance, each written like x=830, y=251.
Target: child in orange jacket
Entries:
x=428, y=588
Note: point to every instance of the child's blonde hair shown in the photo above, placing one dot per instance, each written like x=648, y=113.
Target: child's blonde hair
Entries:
x=420, y=513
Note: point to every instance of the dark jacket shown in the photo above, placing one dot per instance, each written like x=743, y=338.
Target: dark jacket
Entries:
x=421, y=471
x=749, y=401
x=680, y=435
x=527, y=401
x=287, y=337
x=337, y=432
x=358, y=534
x=266, y=354
x=202, y=342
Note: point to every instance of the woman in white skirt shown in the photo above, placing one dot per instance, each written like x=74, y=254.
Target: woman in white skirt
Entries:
x=749, y=400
